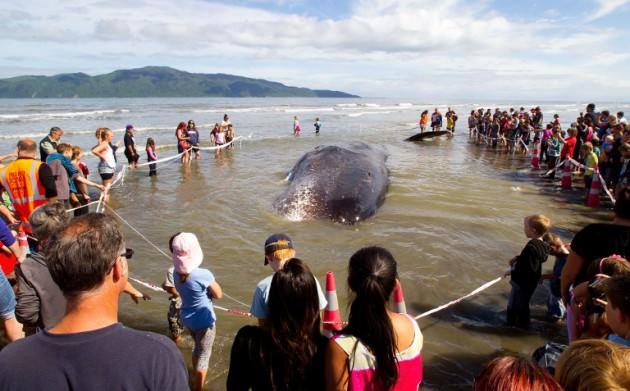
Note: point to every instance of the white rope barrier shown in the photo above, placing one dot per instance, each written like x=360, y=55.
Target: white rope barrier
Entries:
x=456, y=301
x=217, y=147
x=601, y=179
x=166, y=159
x=84, y=206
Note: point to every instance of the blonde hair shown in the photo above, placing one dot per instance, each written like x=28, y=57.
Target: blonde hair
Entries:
x=538, y=223
x=281, y=255
x=101, y=133
x=594, y=365
x=76, y=151
x=553, y=240
x=587, y=146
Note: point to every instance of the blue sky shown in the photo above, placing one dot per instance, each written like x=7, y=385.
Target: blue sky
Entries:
x=451, y=49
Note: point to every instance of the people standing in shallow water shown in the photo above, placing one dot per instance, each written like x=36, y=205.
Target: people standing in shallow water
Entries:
x=378, y=349
x=151, y=156
x=197, y=288
x=193, y=137
x=436, y=121
x=296, y=126
x=130, y=148
x=424, y=121
x=183, y=145
x=287, y=354
x=317, y=126
x=104, y=151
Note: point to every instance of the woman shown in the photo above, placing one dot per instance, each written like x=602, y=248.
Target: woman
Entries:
x=296, y=126
x=183, y=145
x=424, y=120
x=288, y=353
x=105, y=153
x=379, y=349
x=197, y=287
x=193, y=136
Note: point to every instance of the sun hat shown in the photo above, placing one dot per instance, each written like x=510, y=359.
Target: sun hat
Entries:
x=187, y=253
x=277, y=242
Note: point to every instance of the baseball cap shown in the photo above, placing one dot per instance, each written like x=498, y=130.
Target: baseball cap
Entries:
x=187, y=253
x=277, y=242
x=130, y=126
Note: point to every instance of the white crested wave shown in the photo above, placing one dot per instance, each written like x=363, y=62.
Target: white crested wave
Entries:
x=309, y=110
x=58, y=115
x=362, y=113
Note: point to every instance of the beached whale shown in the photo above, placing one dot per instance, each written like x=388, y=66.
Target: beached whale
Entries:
x=346, y=184
x=422, y=136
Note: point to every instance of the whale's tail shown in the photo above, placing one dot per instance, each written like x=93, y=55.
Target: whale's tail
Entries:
x=424, y=135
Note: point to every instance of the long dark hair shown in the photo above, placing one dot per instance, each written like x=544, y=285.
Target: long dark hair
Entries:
x=293, y=324
x=372, y=277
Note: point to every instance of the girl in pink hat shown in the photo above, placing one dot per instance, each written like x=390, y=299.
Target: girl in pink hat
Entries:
x=197, y=288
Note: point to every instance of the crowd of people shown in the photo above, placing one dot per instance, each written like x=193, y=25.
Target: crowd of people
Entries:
x=59, y=299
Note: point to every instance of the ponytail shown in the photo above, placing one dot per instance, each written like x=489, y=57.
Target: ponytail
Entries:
x=372, y=277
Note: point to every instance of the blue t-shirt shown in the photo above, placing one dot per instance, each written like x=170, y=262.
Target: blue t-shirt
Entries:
x=6, y=237
x=261, y=297
x=197, y=311
x=617, y=339
x=554, y=283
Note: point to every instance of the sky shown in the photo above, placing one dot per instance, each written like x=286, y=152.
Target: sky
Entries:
x=421, y=49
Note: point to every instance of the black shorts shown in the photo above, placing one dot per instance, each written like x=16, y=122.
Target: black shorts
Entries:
x=106, y=176
x=132, y=158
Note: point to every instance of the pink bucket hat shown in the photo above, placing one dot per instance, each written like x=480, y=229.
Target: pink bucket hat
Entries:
x=187, y=254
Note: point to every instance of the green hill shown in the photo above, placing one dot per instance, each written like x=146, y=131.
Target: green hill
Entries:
x=152, y=82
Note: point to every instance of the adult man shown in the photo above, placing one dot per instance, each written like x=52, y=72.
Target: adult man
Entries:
x=49, y=143
x=278, y=249
x=621, y=118
x=28, y=182
x=225, y=123
x=88, y=349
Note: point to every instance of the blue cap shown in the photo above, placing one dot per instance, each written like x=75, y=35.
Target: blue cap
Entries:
x=277, y=242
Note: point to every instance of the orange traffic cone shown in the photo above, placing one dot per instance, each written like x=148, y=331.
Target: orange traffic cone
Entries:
x=592, y=199
x=23, y=242
x=566, y=175
x=536, y=157
x=332, y=315
x=399, y=299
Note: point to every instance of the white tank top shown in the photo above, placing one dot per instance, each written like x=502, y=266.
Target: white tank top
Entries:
x=109, y=161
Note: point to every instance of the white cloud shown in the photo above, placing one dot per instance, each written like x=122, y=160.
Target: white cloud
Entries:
x=606, y=7
x=384, y=47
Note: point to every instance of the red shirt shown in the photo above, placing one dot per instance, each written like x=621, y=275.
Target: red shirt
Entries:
x=568, y=148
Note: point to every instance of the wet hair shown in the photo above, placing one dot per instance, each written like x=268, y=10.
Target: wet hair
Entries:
x=63, y=147
x=27, y=145
x=76, y=152
x=594, y=365
x=538, y=223
x=293, y=325
x=622, y=203
x=48, y=219
x=372, y=277
x=514, y=374
x=80, y=255
x=617, y=289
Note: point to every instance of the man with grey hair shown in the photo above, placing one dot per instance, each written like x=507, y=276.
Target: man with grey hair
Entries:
x=88, y=349
x=48, y=145
x=40, y=302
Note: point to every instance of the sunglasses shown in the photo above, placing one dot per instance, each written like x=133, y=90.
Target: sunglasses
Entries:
x=128, y=254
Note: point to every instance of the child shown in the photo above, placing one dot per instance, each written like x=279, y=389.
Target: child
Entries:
x=450, y=122
x=591, y=162
x=229, y=135
x=553, y=151
x=175, y=326
x=618, y=308
x=596, y=147
x=555, y=306
x=424, y=120
x=317, y=125
x=197, y=288
x=151, y=156
x=526, y=270
x=296, y=126
x=472, y=123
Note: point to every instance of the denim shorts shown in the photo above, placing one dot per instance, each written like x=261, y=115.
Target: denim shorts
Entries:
x=7, y=299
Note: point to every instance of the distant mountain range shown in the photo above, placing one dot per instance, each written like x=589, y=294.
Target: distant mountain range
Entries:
x=152, y=82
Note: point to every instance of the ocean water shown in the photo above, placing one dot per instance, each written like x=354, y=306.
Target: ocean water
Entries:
x=452, y=216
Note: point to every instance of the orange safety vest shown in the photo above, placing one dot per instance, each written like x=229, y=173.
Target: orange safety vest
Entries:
x=20, y=180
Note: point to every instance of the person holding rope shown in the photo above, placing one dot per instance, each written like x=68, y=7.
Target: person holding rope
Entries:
x=278, y=250
x=104, y=151
x=197, y=288
x=287, y=354
x=183, y=145
x=130, y=148
x=378, y=349
x=193, y=135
